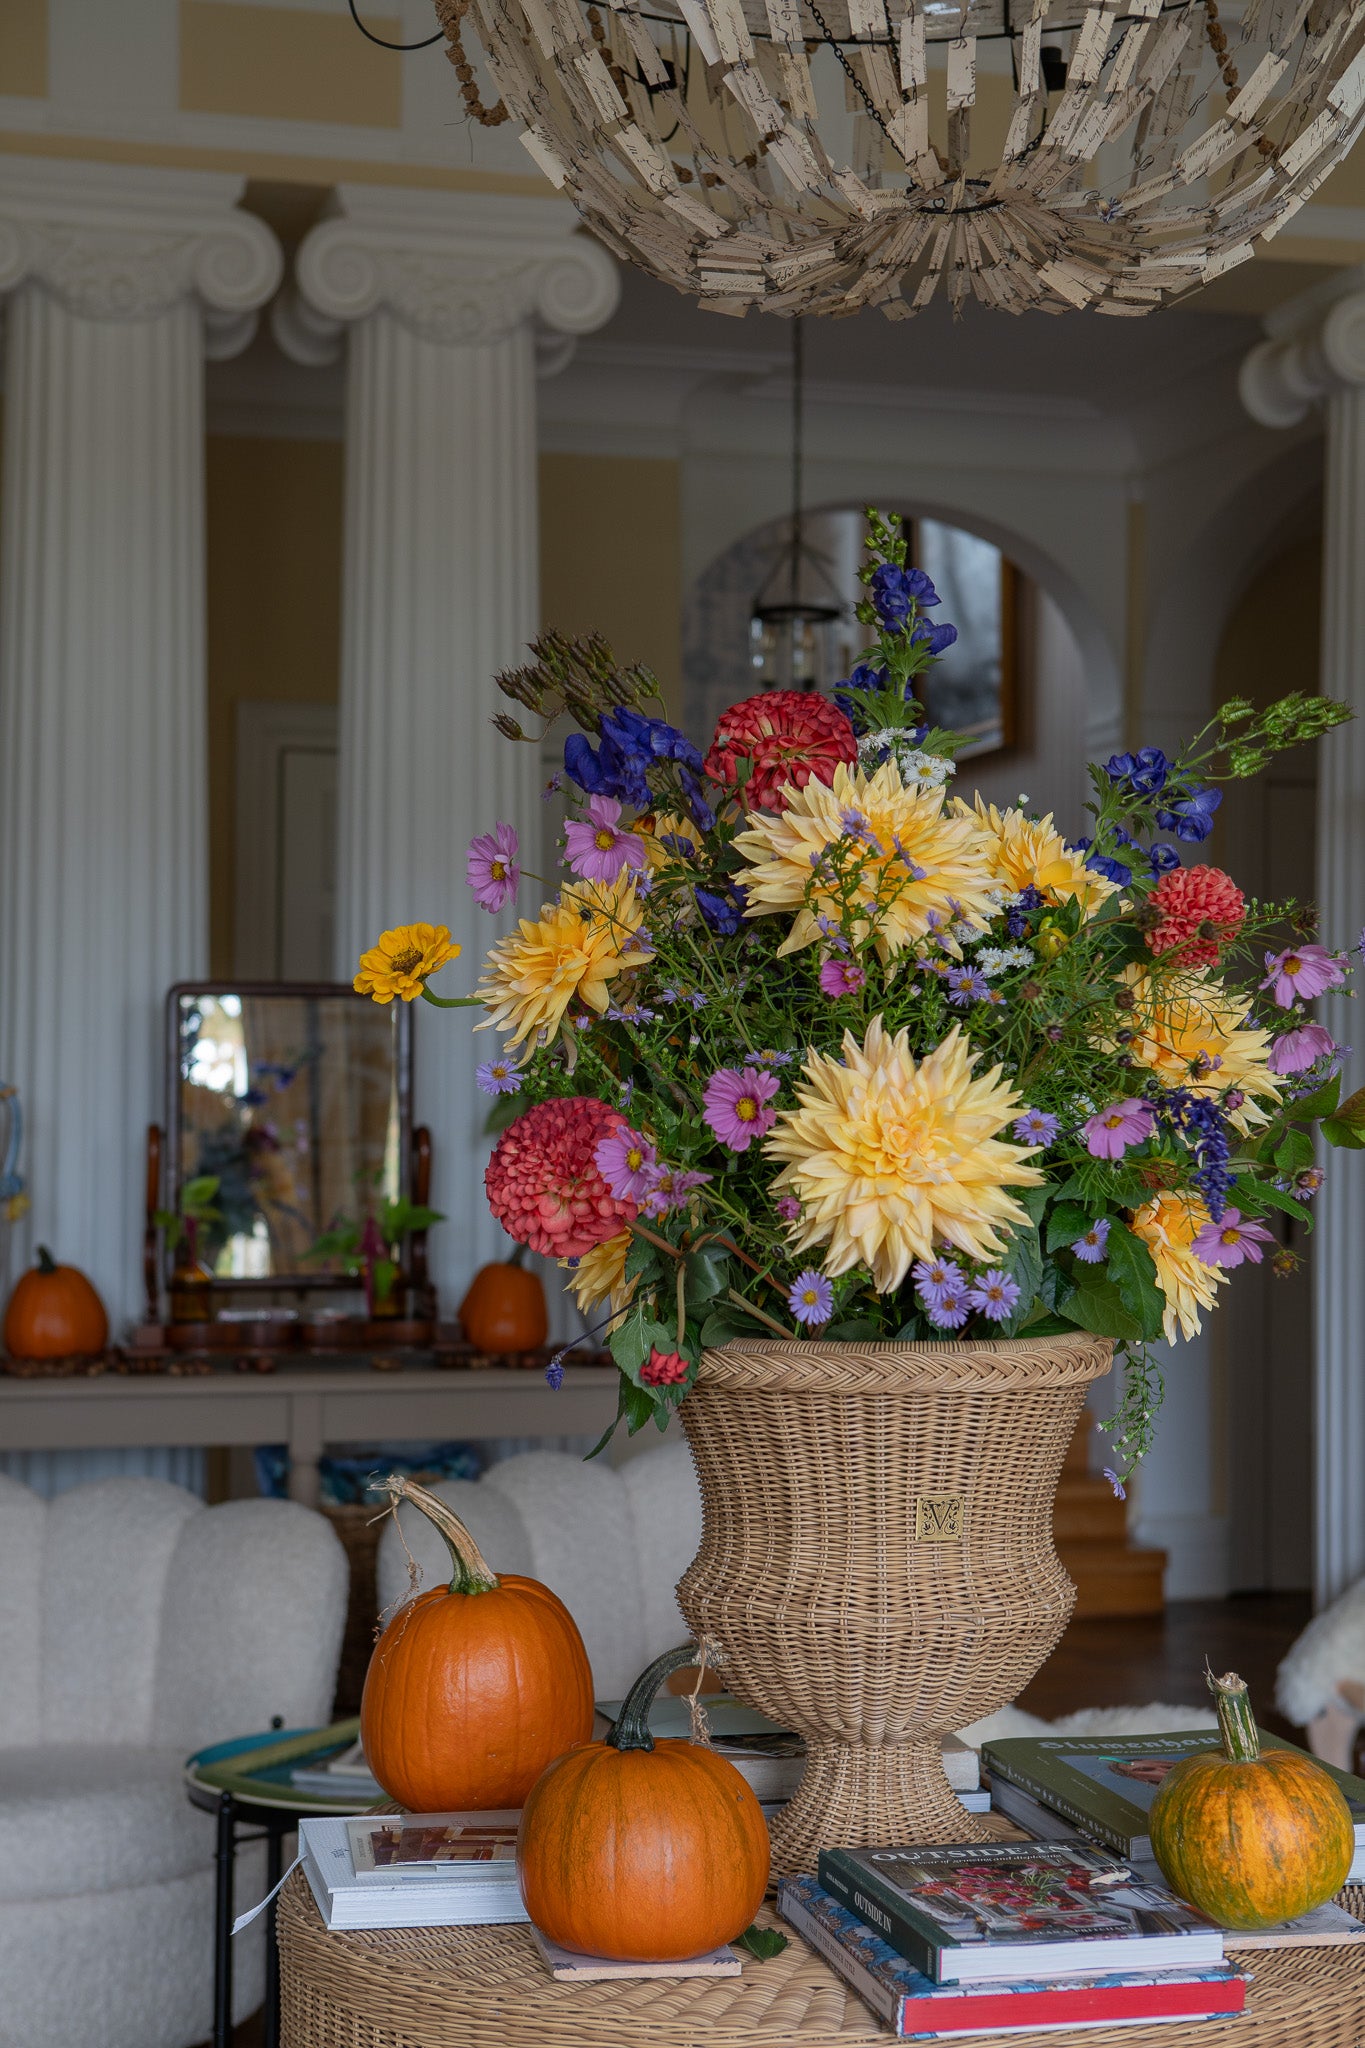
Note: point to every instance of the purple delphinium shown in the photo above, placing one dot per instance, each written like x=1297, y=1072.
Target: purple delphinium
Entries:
x=1035, y=1127
x=811, y=1299
x=1300, y=973
x=724, y=914
x=1144, y=772
x=491, y=865
x=1296, y=1051
x=499, y=1077
x=1092, y=1246
x=1191, y=817
x=894, y=590
x=625, y=1159
x=994, y=1295
x=1231, y=1241
x=737, y=1105
x=1109, y=1133
x=842, y=977
x=967, y=985
x=597, y=847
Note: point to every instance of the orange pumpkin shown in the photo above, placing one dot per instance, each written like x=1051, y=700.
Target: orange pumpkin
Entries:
x=54, y=1312
x=639, y=1850
x=1250, y=1836
x=504, y=1309
x=474, y=1687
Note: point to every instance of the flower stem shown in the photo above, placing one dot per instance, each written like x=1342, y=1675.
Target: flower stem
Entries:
x=451, y=1002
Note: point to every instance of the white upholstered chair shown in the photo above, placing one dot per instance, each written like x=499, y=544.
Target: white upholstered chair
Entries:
x=137, y=1625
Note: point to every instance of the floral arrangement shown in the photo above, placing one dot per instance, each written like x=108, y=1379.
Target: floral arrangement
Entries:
x=804, y=1043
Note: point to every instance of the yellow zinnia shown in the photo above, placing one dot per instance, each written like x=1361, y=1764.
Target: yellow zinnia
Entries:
x=600, y=1276
x=890, y=1158
x=1168, y=1226
x=919, y=865
x=1192, y=1033
x=400, y=963
x=571, y=951
x=1030, y=852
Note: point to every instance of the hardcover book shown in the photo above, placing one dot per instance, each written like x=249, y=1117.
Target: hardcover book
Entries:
x=413, y=1870
x=1105, y=1784
x=917, y=2009
x=1017, y=1909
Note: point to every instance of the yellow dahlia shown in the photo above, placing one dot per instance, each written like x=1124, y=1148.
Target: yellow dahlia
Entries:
x=600, y=1276
x=571, y=952
x=890, y=1158
x=402, y=960
x=1032, y=852
x=918, y=859
x=1192, y=1033
x=662, y=825
x=1168, y=1226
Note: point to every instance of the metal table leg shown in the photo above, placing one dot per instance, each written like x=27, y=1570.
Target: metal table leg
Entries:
x=274, y=1861
x=222, y=1921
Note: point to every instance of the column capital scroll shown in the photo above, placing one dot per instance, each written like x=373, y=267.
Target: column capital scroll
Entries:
x=1314, y=347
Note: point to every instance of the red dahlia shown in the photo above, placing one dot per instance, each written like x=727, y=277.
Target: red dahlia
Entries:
x=789, y=735
x=543, y=1184
x=1200, y=910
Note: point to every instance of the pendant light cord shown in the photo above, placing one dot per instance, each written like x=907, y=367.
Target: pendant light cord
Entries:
x=379, y=40
x=798, y=423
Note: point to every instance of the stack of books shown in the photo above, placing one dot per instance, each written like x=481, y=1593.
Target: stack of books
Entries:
x=413, y=1869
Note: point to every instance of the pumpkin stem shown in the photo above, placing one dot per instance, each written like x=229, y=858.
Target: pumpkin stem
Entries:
x=631, y=1729
x=46, y=1262
x=1236, y=1722
x=471, y=1572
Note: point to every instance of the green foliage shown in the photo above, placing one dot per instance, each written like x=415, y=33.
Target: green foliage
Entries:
x=763, y=1942
x=197, y=1204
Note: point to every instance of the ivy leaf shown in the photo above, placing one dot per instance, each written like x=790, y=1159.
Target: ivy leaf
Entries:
x=1132, y=1269
x=763, y=1942
x=1295, y=1150
x=1067, y=1222
x=1096, y=1305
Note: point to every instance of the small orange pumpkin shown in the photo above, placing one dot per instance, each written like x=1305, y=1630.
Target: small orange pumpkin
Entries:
x=54, y=1312
x=639, y=1850
x=473, y=1687
x=504, y=1309
x=1250, y=1836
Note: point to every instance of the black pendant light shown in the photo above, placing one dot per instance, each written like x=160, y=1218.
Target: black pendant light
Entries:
x=797, y=606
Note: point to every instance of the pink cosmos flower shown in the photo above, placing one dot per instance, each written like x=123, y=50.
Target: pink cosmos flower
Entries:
x=736, y=1105
x=1297, y=1050
x=1232, y=1241
x=626, y=1161
x=842, y=977
x=1111, y=1131
x=596, y=848
x=491, y=867
x=1300, y=973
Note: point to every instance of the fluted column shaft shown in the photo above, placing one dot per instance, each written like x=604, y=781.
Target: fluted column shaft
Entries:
x=102, y=684
x=437, y=295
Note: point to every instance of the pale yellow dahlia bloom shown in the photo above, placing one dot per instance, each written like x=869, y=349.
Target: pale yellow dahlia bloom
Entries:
x=1168, y=1226
x=890, y=1159
x=1030, y=852
x=911, y=831
x=401, y=961
x=570, y=952
x=1186, y=1021
x=600, y=1277
x=661, y=825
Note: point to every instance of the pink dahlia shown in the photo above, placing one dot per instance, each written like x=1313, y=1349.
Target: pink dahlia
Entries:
x=1201, y=909
x=544, y=1184
x=788, y=736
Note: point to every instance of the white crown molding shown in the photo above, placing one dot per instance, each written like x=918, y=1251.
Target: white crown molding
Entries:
x=115, y=242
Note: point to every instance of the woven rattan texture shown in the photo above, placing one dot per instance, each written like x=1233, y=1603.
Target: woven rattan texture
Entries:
x=876, y=1565
x=486, y=1987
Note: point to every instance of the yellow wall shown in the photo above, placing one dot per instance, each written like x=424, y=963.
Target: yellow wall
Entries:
x=609, y=556
x=283, y=64
x=23, y=48
x=274, y=614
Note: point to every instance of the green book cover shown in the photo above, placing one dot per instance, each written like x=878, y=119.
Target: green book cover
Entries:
x=1106, y=1783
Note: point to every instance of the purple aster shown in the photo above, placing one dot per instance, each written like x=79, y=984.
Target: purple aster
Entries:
x=626, y=1160
x=1035, y=1127
x=1296, y=1051
x=631, y=1013
x=670, y=1188
x=934, y=1278
x=596, y=847
x=967, y=985
x=1300, y=973
x=995, y=1295
x=842, y=977
x=736, y=1105
x=951, y=1309
x=491, y=865
x=1120, y=1491
x=1109, y=1133
x=1091, y=1247
x=788, y=1208
x=499, y=1077
x=811, y=1299
x=1231, y=1241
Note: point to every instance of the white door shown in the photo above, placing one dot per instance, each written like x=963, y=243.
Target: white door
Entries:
x=286, y=841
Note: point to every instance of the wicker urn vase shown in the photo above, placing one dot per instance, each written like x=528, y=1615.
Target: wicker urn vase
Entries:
x=876, y=1564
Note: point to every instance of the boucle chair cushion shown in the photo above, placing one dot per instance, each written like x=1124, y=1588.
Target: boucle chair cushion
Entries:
x=1331, y=1648
x=612, y=1544
x=87, y=1817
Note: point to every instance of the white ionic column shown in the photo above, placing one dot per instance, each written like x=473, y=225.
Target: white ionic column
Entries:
x=1316, y=353
x=118, y=281
x=439, y=293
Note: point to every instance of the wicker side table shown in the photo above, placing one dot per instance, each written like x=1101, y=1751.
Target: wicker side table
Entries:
x=485, y=1987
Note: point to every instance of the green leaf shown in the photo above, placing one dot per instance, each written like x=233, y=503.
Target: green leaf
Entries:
x=1322, y=1102
x=707, y=1274
x=1346, y=1129
x=763, y=1942
x=726, y=1326
x=1131, y=1267
x=855, y=1330
x=1096, y=1305
x=504, y=1112
x=637, y=1406
x=1025, y=1267
x=641, y=1258
x=1295, y=1150
x=1254, y=1197
x=1035, y=1200
x=629, y=1342
x=1043, y=1323
x=1067, y=1222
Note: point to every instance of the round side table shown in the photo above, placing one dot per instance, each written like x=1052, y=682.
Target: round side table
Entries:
x=486, y=1987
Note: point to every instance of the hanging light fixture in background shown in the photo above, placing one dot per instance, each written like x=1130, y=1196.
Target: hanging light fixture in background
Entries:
x=797, y=605
x=784, y=153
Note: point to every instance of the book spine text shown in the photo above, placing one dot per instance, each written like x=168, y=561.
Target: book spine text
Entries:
x=1070, y=1809
x=876, y=1906
x=883, y=2001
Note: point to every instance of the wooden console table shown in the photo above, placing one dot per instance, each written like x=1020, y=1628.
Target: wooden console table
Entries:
x=305, y=1409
